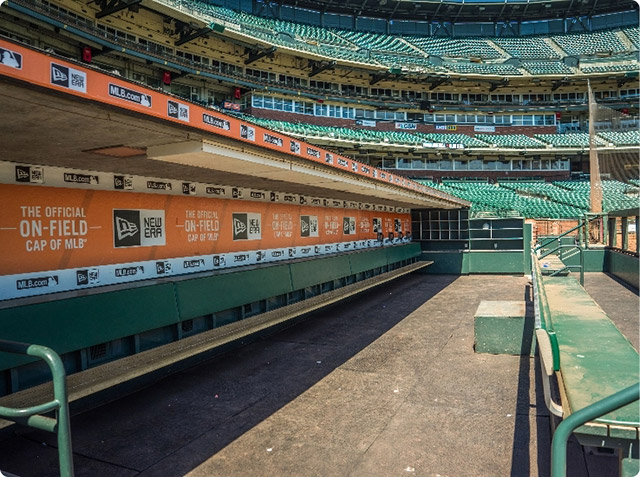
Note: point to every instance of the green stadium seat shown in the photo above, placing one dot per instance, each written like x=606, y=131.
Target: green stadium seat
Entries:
x=590, y=43
x=527, y=48
x=515, y=141
x=547, y=68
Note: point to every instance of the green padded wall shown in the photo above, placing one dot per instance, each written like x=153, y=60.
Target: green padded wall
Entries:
x=593, y=260
x=313, y=272
x=71, y=324
x=454, y=263
x=496, y=262
x=623, y=266
x=203, y=296
x=405, y=252
x=79, y=322
x=362, y=261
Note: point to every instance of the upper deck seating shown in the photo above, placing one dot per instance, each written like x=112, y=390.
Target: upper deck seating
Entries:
x=453, y=138
x=455, y=47
x=516, y=141
x=547, y=68
x=527, y=48
x=590, y=43
x=622, y=138
x=497, y=69
x=609, y=67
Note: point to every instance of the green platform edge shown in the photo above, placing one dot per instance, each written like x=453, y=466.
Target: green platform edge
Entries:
x=596, y=360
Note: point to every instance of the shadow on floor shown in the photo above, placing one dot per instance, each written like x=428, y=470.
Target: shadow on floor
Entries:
x=223, y=397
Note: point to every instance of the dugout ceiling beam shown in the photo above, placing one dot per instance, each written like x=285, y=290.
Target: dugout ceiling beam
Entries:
x=260, y=166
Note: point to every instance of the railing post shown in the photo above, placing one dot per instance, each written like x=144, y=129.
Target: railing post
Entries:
x=60, y=405
x=625, y=233
x=581, y=267
x=595, y=410
x=585, y=232
x=637, y=241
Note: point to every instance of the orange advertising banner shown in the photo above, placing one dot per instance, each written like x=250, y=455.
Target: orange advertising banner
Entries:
x=57, y=228
x=75, y=79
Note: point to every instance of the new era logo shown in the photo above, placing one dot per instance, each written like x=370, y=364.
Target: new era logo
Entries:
x=189, y=188
x=163, y=268
x=69, y=78
x=308, y=226
x=124, y=228
x=246, y=226
x=58, y=75
x=133, y=228
x=87, y=277
x=123, y=182
x=31, y=174
x=178, y=111
x=349, y=225
x=239, y=228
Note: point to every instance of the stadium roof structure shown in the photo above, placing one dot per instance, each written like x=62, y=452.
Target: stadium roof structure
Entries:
x=464, y=10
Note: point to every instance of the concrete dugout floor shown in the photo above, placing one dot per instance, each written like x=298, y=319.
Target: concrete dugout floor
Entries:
x=387, y=384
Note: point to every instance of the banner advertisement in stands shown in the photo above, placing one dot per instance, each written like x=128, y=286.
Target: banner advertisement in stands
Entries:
x=25, y=64
x=484, y=129
x=446, y=127
x=366, y=122
x=407, y=126
x=89, y=234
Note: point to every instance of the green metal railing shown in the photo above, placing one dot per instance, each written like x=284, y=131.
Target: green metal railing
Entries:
x=581, y=223
x=567, y=267
x=543, y=312
x=33, y=416
x=571, y=423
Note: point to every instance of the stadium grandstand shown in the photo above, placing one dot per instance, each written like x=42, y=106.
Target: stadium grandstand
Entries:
x=295, y=237
x=512, y=90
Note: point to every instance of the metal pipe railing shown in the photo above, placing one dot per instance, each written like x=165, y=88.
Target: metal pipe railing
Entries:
x=580, y=267
x=32, y=416
x=581, y=224
x=544, y=312
x=578, y=418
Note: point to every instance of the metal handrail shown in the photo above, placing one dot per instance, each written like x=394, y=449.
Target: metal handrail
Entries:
x=579, y=226
x=580, y=267
x=32, y=416
x=544, y=312
x=578, y=418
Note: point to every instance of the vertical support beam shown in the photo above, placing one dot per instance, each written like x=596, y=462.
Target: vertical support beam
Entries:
x=612, y=232
x=84, y=358
x=625, y=233
x=637, y=241
x=528, y=238
x=594, y=166
x=585, y=232
x=13, y=380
